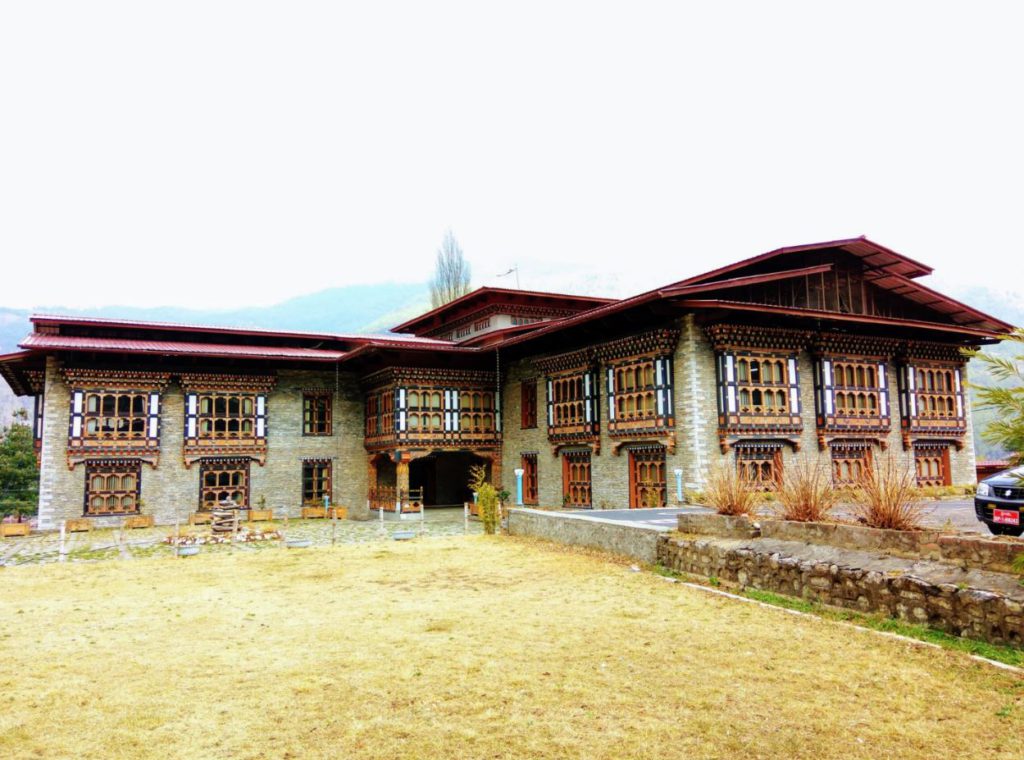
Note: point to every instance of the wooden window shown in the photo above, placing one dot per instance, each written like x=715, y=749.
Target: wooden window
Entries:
x=316, y=413
x=316, y=481
x=850, y=463
x=759, y=465
x=112, y=488
x=758, y=390
x=223, y=479
x=387, y=413
x=531, y=486
x=519, y=321
x=38, y=408
x=482, y=324
x=372, y=414
x=116, y=416
x=647, y=486
x=462, y=332
x=576, y=479
x=528, y=403
x=852, y=393
x=640, y=395
x=931, y=464
x=476, y=412
x=936, y=393
x=226, y=417
x=424, y=410
x=572, y=403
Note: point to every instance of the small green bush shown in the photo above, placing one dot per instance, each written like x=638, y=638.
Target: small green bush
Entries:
x=487, y=500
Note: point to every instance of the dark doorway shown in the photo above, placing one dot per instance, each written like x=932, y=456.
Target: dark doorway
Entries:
x=444, y=477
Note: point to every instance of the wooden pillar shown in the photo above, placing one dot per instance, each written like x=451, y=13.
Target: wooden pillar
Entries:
x=496, y=470
x=371, y=479
x=402, y=477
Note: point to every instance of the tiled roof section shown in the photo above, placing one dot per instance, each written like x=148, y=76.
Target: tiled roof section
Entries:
x=175, y=348
x=56, y=319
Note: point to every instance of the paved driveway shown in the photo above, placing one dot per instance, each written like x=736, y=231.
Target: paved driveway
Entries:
x=956, y=512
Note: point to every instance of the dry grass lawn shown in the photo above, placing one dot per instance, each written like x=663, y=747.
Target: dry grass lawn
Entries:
x=478, y=647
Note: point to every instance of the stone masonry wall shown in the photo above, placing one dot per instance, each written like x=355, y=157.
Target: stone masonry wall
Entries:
x=639, y=542
x=170, y=489
x=854, y=581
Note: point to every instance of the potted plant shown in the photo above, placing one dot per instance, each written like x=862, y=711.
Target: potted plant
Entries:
x=15, y=528
x=261, y=513
x=315, y=511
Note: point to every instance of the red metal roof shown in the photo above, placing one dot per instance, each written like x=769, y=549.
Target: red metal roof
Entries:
x=56, y=319
x=835, y=316
x=873, y=255
x=170, y=348
x=487, y=295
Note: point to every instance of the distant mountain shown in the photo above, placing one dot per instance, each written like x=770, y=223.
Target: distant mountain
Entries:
x=375, y=308
x=351, y=309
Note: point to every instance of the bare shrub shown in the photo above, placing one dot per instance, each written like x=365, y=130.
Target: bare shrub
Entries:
x=888, y=497
x=806, y=493
x=728, y=494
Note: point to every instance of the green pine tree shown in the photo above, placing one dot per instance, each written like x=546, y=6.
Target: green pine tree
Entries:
x=1005, y=396
x=19, y=477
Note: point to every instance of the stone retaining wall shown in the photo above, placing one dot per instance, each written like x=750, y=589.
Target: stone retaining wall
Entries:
x=964, y=551
x=949, y=607
x=639, y=542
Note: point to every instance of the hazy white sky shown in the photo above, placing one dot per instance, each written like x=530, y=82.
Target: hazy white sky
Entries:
x=214, y=153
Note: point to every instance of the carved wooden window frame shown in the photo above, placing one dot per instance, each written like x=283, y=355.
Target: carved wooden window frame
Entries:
x=207, y=410
x=531, y=480
x=317, y=413
x=648, y=471
x=742, y=393
x=577, y=479
x=231, y=490
x=932, y=465
x=573, y=405
x=759, y=465
x=641, y=395
x=317, y=481
x=851, y=463
x=126, y=493
x=88, y=414
x=528, y=404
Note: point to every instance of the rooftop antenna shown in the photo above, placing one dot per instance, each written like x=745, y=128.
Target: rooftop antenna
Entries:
x=510, y=271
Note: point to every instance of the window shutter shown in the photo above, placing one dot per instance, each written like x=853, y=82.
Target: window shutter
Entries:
x=592, y=399
x=663, y=386
x=883, y=389
x=911, y=396
x=191, y=413
x=828, y=389
x=794, y=388
x=400, y=410
x=497, y=410
x=153, y=421
x=727, y=381
x=959, y=392
x=551, y=402
x=77, y=411
x=611, y=394
x=261, y=416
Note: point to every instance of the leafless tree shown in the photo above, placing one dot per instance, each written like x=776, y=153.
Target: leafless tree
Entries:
x=451, y=273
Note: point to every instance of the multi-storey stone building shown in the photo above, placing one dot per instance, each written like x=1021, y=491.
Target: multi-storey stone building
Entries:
x=830, y=351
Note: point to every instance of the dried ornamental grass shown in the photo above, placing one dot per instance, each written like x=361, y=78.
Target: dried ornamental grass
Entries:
x=728, y=494
x=888, y=497
x=805, y=493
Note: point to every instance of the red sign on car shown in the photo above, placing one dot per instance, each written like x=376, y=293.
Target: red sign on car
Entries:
x=1006, y=516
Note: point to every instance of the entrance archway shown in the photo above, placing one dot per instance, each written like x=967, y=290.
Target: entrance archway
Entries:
x=444, y=477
